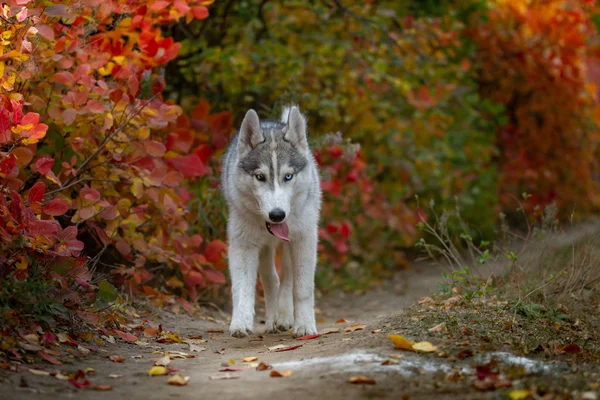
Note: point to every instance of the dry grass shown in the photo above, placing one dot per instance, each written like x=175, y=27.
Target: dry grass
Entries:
x=536, y=292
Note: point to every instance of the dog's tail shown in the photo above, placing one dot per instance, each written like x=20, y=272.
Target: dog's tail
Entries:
x=285, y=113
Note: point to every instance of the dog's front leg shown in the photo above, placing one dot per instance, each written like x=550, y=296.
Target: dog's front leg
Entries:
x=243, y=266
x=304, y=260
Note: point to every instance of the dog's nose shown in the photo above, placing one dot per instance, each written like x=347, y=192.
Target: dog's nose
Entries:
x=277, y=215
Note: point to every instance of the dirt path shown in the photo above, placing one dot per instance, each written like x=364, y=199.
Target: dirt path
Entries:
x=320, y=368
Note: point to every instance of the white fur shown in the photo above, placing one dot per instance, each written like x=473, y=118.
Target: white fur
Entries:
x=289, y=302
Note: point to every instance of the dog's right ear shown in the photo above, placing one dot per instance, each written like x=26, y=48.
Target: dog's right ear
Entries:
x=250, y=133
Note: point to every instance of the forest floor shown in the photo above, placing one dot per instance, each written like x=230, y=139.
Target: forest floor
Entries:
x=481, y=352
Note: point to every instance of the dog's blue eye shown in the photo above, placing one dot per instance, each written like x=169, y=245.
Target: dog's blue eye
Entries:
x=260, y=177
x=288, y=177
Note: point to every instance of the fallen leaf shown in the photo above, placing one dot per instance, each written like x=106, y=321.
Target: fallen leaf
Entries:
x=355, y=327
x=309, y=337
x=89, y=371
x=157, y=371
x=232, y=369
x=330, y=330
x=117, y=359
x=362, y=380
x=102, y=387
x=425, y=300
x=178, y=380
x=277, y=374
x=396, y=356
x=466, y=353
x=439, y=328
x=180, y=354
x=222, y=377
x=39, y=372
x=376, y=331
x=215, y=331
x=340, y=321
x=196, y=348
x=520, y=394
x=263, y=366
x=390, y=361
x=572, y=348
x=150, y=332
x=281, y=348
x=163, y=361
x=401, y=342
x=424, y=347
x=115, y=376
x=128, y=337
x=49, y=358
x=250, y=359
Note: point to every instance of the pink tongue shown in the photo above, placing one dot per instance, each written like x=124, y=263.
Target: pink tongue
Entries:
x=281, y=231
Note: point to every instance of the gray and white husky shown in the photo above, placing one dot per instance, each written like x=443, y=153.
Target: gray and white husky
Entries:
x=271, y=184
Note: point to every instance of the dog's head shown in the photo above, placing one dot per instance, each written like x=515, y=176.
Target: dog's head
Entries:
x=273, y=159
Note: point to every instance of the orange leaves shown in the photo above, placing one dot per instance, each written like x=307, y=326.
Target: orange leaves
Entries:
x=128, y=337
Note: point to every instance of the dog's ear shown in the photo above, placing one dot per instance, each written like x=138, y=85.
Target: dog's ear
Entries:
x=296, y=129
x=250, y=133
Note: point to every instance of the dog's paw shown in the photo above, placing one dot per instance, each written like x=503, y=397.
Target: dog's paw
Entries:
x=303, y=329
x=240, y=330
x=271, y=327
x=284, y=322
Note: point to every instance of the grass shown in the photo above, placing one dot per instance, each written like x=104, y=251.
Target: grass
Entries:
x=532, y=292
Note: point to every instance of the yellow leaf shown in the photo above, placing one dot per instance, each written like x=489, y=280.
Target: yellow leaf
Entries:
x=401, y=343
x=163, y=361
x=277, y=374
x=362, y=380
x=424, y=347
x=158, y=371
x=178, y=380
x=355, y=327
x=519, y=394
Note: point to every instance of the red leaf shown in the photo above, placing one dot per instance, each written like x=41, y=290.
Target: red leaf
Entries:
x=200, y=111
x=36, y=195
x=214, y=251
x=204, y=151
x=117, y=359
x=128, y=337
x=56, y=207
x=214, y=276
x=69, y=116
x=44, y=164
x=16, y=111
x=190, y=165
x=195, y=278
x=159, y=5
x=572, y=348
x=81, y=384
x=287, y=348
x=200, y=12
x=309, y=337
x=4, y=120
x=154, y=149
x=49, y=358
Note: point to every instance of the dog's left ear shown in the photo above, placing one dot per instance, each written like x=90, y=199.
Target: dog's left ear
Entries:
x=296, y=129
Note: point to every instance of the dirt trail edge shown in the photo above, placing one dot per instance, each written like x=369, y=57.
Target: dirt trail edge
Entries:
x=320, y=368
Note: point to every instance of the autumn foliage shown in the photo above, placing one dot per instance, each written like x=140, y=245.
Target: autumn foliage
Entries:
x=114, y=114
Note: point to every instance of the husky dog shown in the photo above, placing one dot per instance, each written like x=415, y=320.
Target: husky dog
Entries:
x=271, y=184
